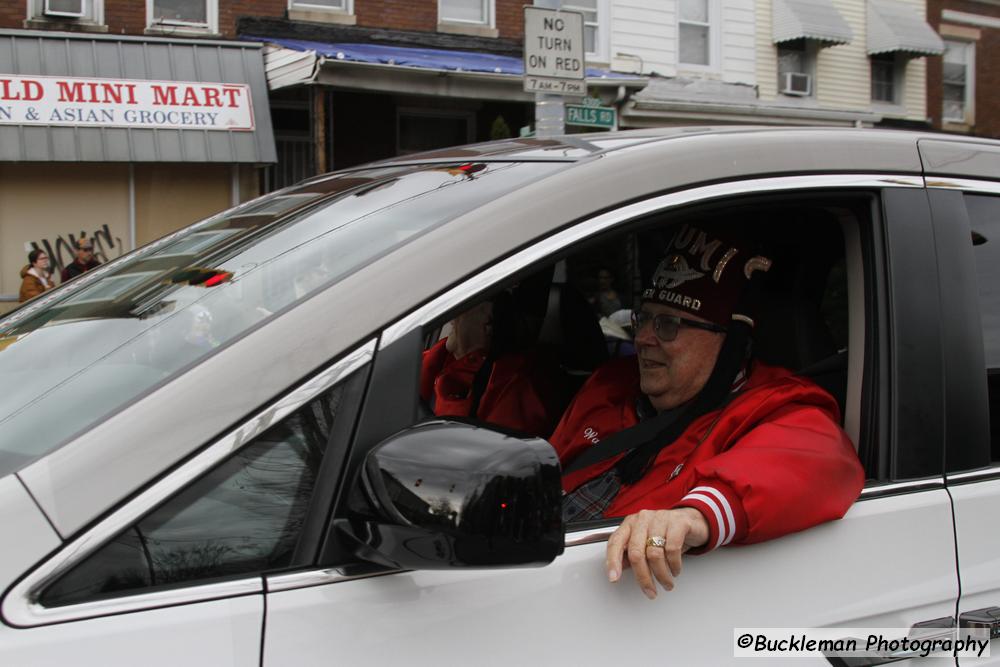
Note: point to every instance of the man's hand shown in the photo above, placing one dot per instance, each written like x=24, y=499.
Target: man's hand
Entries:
x=682, y=529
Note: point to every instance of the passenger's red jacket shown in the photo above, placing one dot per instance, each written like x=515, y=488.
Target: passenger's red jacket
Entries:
x=773, y=462
x=520, y=394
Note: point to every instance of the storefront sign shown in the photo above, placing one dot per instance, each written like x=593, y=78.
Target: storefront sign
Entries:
x=79, y=102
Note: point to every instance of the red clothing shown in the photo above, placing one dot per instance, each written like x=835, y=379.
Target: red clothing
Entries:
x=518, y=395
x=773, y=462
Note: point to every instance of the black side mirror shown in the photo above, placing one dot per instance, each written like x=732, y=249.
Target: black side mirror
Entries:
x=446, y=494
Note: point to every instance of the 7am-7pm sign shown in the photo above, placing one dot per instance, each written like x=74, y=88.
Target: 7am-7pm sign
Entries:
x=553, y=52
x=82, y=102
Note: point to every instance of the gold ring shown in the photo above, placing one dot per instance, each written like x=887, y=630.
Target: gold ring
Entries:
x=656, y=542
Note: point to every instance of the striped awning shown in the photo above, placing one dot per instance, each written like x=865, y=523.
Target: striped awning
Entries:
x=895, y=26
x=809, y=19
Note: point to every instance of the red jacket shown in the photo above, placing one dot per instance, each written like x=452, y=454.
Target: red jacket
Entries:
x=519, y=394
x=773, y=462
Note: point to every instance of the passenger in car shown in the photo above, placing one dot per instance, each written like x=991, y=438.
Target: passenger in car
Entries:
x=725, y=449
x=475, y=373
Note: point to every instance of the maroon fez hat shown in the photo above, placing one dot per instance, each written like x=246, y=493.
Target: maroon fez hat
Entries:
x=704, y=273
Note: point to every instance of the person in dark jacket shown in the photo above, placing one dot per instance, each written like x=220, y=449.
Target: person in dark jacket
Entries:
x=85, y=260
x=35, y=277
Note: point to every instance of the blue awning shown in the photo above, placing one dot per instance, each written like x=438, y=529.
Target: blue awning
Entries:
x=437, y=59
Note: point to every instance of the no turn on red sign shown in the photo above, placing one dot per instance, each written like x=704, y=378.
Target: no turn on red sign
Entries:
x=553, y=52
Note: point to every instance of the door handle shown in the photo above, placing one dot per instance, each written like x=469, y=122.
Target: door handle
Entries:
x=987, y=619
x=938, y=628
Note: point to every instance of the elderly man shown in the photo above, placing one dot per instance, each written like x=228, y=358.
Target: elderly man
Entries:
x=724, y=449
x=85, y=260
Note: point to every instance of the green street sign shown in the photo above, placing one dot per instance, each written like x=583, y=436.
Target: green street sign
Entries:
x=590, y=116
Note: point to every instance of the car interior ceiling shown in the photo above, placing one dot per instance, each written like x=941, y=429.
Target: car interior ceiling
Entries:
x=801, y=319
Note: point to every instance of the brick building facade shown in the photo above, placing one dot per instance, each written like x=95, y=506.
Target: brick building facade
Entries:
x=963, y=86
x=128, y=17
x=322, y=126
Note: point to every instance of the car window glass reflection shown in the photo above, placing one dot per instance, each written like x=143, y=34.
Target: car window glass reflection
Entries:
x=132, y=328
x=245, y=516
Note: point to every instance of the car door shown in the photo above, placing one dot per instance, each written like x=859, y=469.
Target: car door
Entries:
x=965, y=217
x=174, y=575
x=889, y=563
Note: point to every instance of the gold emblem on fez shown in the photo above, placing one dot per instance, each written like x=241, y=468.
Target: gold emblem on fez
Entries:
x=674, y=271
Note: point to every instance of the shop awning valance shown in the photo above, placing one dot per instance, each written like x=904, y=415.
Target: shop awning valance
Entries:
x=409, y=70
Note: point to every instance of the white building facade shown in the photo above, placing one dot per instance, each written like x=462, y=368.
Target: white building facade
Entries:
x=840, y=62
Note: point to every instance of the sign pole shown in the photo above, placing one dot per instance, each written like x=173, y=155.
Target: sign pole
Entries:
x=549, y=115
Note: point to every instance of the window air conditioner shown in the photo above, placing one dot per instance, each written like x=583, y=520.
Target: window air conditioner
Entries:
x=65, y=8
x=796, y=83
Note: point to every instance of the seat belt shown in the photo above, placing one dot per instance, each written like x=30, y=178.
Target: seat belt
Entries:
x=648, y=437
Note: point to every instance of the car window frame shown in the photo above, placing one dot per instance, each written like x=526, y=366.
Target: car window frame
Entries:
x=401, y=343
x=20, y=605
x=958, y=216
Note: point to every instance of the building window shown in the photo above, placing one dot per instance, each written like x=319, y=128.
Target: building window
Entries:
x=593, y=35
x=182, y=15
x=884, y=85
x=797, y=68
x=75, y=11
x=339, y=5
x=476, y=12
x=694, y=29
x=959, y=77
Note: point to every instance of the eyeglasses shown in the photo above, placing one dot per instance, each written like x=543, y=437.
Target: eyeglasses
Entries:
x=88, y=248
x=666, y=326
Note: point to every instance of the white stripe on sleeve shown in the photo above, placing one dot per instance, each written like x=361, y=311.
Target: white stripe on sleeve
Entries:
x=726, y=507
x=715, y=510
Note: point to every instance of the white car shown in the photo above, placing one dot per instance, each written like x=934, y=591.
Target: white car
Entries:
x=212, y=450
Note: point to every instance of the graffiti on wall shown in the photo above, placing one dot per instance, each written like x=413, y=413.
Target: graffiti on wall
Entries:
x=61, y=250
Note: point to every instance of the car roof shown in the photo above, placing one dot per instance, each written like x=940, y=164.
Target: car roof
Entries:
x=577, y=147
x=90, y=474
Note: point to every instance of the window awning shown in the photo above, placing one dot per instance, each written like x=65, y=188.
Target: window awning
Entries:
x=818, y=20
x=895, y=26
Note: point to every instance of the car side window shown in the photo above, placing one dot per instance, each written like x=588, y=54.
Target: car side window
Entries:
x=243, y=517
x=541, y=338
x=984, y=216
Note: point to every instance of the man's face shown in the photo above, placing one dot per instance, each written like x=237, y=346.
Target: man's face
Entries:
x=672, y=373
x=84, y=252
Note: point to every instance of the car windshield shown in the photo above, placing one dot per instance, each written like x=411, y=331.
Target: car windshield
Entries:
x=83, y=351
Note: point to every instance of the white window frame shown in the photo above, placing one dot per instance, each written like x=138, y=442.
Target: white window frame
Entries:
x=305, y=5
x=489, y=10
x=899, y=65
x=714, y=30
x=601, y=25
x=93, y=12
x=970, y=84
x=211, y=24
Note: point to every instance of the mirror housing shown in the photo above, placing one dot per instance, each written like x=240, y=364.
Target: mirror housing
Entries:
x=447, y=493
